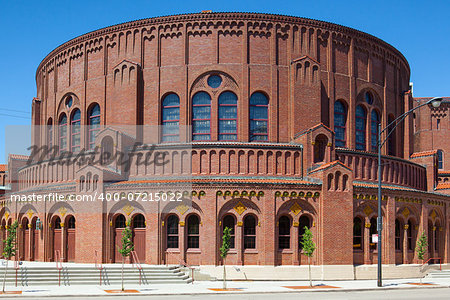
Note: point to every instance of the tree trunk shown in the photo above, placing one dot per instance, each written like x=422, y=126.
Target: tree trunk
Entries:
x=123, y=262
x=4, y=277
x=224, y=276
x=309, y=267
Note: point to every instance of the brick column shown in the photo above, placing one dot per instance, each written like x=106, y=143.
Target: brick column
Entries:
x=238, y=238
x=297, y=248
x=405, y=244
x=366, y=242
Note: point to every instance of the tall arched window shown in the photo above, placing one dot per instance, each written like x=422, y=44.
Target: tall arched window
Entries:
x=49, y=133
x=391, y=138
x=57, y=223
x=440, y=155
x=410, y=235
x=249, y=232
x=139, y=221
x=360, y=128
x=120, y=221
x=374, y=121
x=94, y=124
x=340, y=120
x=372, y=231
x=201, y=117
x=62, y=133
x=171, y=118
x=228, y=221
x=357, y=233
x=259, y=117
x=302, y=223
x=75, y=125
x=398, y=235
x=193, y=232
x=71, y=223
x=227, y=116
x=172, y=231
x=284, y=233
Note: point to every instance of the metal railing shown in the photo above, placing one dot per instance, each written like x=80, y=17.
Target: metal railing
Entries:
x=182, y=262
x=135, y=263
x=434, y=258
x=16, y=267
x=98, y=265
x=58, y=265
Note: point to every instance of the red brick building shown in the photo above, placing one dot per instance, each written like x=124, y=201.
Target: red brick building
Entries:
x=283, y=113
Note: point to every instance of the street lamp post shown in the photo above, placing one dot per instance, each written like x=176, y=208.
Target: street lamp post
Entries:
x=435, y=102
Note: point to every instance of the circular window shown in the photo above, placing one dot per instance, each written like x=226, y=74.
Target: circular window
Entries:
x=69, y=102
x=369, y=98
x=214, y=81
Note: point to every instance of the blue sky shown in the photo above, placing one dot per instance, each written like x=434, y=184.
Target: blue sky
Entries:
x=31, y=29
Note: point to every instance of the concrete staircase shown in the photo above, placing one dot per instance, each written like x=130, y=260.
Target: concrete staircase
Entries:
x=438, y=274
x=89, y=275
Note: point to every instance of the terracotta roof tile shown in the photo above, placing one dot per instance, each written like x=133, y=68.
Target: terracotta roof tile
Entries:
x=18, y=156
x=423, y=153
x=328, y=165
x=228, y=180
x=443, y=186
x=3, y=168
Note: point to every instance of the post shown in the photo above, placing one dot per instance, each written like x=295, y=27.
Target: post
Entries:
x=379, y=219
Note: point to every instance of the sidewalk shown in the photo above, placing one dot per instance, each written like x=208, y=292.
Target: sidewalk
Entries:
x=237, y=287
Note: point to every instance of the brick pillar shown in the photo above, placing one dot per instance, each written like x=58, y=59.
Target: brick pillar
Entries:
x=30, y=241
x=423, y=227
x=366, y=243
x=297, y=248
x=405, y=244
x=268, y=229
x=389, y=231
x=63, y=242
x=238, y=238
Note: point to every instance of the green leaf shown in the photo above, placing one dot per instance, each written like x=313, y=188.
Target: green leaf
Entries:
x=307, y=242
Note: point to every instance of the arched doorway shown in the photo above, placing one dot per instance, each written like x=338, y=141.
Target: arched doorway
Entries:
x=57, y=236
x=138, y=225
x=119, y=225
x=24, y=246
x=70, y=241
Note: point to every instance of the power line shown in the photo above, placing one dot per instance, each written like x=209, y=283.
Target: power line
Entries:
x=8, y=115
x=14, y=110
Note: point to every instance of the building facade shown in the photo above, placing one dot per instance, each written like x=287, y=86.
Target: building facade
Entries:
x=271, y=125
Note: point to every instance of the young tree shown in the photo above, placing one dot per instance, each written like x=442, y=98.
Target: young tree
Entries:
x=421, y=248
x=226, y=238
x=308, y=247
x=10, y=248
x=127, y=245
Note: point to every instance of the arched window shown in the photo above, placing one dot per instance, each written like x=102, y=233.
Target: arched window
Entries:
x=357, y=233
x=193, y=232
x=374, y=120
x=391, y=138
x=71, y=223
x=249, y=232
x=75, y=125
x=171, y=118
x=302, y=223
x=63, y=133
x=50, y=133
x=398, y=235
x=372, y=231
x=320, y=145
x=107, y=150
x=360, y=128
x=57, y=223
x=94, y=124
x=201, y=117
x=227, y=116
x=284, y=233
x=120, y=222
x=139, y=221
x=440, y=155
x=436, y=236
x=340, y=120
x=228, y=221
x=172, y=231
x=259, y=117
x=410, y=235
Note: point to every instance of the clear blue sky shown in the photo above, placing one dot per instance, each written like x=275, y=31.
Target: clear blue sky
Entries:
x=31, y=29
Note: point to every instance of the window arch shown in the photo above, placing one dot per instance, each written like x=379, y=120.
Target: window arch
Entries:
x=201, y=117
x=75, y=125
x=71, y=223
x=49, y=133
x=410, y=235
x=172, y=231
x=357, y=233
x=440, y=156
x=120, y=221
x=249, y=232
x=57, y=223
x=228, y=116
x=320, y=146
x=374, y=121
x=171, y=118
x=62, y=133
x=303, y=222
x=139, y=221
x=360, y=128
x=228, y=221
x=372, y=231
x=94, y=124
x=259, y=117
x=193, y=232
x=340, y=120
x=284, y=232
x=398, y=235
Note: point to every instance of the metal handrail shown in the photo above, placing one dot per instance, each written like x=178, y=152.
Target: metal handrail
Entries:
x=16, y=267
x=58, y=265
x=182, y=262
x=135, y=263
x=98, y=266
x=440, y=262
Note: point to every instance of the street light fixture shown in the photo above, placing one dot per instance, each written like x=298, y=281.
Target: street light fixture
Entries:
x=435, y=102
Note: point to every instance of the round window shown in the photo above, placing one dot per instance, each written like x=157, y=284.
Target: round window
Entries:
x=69, y=102
x=214, y=81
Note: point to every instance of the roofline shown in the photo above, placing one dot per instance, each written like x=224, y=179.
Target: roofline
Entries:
x=217, y=15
